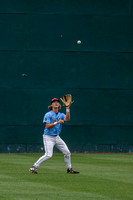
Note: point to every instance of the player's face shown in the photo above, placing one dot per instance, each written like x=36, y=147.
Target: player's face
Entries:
x=55, y=105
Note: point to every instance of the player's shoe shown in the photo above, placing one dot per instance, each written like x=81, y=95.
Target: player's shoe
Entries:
x=33, y=170
x=71, y=171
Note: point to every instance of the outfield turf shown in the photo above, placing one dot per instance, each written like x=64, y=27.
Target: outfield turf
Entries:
x=102, y=176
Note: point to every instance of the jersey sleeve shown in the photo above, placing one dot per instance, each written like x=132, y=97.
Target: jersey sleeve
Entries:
x=46, y=118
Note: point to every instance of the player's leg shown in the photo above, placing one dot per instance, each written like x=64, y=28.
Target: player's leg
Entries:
x=49, y=143
x=61, y=145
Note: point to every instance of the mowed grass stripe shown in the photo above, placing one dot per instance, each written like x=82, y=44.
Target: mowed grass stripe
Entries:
x=102, y=176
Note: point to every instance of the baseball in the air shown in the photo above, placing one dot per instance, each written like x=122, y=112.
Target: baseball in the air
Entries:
x=79, y=42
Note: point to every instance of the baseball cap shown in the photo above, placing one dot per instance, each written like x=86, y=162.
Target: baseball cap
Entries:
x=55, y=99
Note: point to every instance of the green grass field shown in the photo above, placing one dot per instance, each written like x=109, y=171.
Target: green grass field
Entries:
x=102, y=176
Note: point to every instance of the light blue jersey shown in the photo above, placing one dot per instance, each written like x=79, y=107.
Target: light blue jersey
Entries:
x=51, y=117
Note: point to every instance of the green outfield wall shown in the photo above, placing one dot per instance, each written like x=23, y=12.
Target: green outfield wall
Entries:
x=40, y=59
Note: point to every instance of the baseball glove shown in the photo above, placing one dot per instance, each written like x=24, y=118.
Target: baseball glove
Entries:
x=67, y=100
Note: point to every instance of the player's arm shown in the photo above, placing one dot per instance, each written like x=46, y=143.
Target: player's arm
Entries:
x=46, y=122
x=48, y=126
x=67, y=117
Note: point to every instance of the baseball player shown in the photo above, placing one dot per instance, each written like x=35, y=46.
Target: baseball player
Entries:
x=53, y=121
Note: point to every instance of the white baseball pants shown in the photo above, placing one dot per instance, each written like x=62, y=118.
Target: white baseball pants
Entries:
x=49, y=143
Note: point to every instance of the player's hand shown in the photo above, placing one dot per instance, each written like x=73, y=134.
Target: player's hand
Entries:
x=60, y=121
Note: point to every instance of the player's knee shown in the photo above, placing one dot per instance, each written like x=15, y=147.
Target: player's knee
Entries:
x=49, y=156
x=67, y=154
